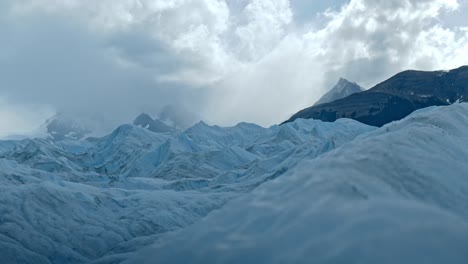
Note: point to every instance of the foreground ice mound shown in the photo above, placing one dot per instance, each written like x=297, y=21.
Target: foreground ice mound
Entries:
x=396, y=195
x=102, y=199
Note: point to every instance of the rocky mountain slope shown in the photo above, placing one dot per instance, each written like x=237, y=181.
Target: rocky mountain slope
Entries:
x=395, y=98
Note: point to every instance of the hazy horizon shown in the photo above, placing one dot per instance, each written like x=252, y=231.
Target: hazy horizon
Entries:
x=224, y=62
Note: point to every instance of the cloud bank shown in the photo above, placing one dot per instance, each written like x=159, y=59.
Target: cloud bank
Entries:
x=227, y=61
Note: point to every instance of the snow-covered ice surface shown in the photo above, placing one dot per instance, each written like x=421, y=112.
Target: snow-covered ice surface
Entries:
x=102, y=199
x=398, y=194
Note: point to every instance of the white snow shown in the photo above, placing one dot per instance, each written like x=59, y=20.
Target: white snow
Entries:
x=395, y=195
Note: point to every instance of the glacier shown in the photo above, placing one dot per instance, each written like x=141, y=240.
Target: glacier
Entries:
x=101, y=200
x=397, y=194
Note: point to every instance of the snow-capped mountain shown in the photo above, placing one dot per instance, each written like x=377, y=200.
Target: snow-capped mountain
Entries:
x=394, y=195
x=395, y=98
x=154, y=125
x=342, y=89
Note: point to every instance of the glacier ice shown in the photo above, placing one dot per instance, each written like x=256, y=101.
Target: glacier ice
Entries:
x=102, y=199
x=397, y=194
x=304, y=192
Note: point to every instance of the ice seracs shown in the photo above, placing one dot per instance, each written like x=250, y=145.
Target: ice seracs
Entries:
x=394, y=195
x=304, y=190
x=101, y=199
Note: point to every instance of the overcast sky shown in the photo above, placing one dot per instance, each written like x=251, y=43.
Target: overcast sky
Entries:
x=225, y=61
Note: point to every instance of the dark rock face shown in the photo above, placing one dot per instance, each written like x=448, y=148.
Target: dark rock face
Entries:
x=342, y=89
x=395, y=98
x=154, y=125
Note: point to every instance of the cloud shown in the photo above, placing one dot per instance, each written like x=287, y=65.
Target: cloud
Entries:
x=51, y=60
x=229, y=61
x=21, y=120
x=365, y=41
x=383, y=37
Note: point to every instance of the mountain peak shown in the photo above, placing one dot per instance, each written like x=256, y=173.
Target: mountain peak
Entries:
x=60, y=127
x=343, y=80
x=142, y=120
x=394, y=98
x=155, y=125
x=341, y=90
x=200, y=125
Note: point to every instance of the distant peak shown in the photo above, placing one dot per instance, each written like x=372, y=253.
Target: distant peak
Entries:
x=343, y=80
x=201, y=124
x=341, y=90
x=61, y=127
x=142, y=119
x=344, y=84
x=155, y=125
x=144, y=115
